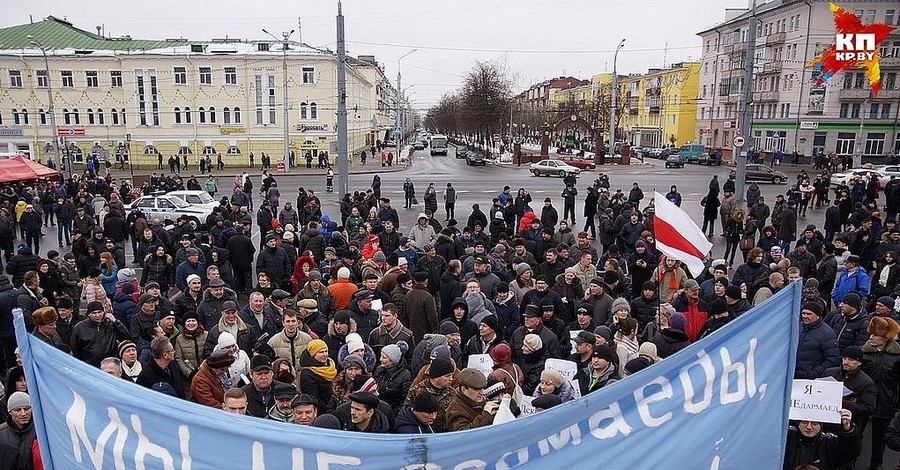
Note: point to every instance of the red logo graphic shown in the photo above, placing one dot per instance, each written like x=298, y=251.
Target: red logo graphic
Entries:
x=855, y=46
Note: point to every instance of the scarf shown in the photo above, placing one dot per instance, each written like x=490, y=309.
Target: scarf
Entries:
x=327, y=371
x=673, y=281
x=393, y=331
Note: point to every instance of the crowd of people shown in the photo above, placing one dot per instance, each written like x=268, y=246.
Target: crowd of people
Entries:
x=348, y=321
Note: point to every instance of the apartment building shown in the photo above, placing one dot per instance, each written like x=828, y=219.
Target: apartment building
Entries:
x=790, y=111
x=659, y=108
x=119, y=97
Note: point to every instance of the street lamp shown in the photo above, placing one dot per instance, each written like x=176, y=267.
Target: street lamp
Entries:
x=39, y=45
x=287, y=149
x=613, y=98
x=399, y=101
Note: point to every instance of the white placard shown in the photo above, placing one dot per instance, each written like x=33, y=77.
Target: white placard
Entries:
x=525, y=407
x=572, y=335
x=481, y=362
x=816, y=400
x=568, y=369
x=376, y=305
x=576, y=389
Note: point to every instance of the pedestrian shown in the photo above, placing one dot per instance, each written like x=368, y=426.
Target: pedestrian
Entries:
x=450, y=202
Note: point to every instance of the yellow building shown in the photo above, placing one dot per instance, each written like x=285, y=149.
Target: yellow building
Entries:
x=144, y=98
x=660, y=107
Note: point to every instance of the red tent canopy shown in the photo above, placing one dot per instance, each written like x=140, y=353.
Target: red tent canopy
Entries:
x=20, y=168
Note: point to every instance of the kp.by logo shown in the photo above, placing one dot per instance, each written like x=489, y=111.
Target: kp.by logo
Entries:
x=854, y=47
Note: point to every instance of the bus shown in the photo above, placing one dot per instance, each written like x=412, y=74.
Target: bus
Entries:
x=438, y=144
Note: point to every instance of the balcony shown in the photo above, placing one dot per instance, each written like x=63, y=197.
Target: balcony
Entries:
x=889, y=94
x=736, y=47
x=775, y=38
x=771, y=67
x=856, y=94
x=889, y=61
x=765, y=96
x=731, y=99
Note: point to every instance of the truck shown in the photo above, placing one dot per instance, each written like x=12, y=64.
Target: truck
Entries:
x=691, y=153
x=438, y=144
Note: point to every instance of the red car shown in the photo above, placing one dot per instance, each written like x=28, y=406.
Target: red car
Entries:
x=578, y=162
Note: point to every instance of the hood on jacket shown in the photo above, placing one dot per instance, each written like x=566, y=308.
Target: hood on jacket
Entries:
x=331, y=327
x=24, y=250
x=460, y=302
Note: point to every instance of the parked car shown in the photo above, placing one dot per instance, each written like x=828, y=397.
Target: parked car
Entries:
x=756, y=172
x=714, y=157
x=553, y=167
x=475, y=158
x=888, y=171
x=657, y=152
x=578, y=162
x=390, y=143
x=169, y=208
x=674, y=161
x=418, y=145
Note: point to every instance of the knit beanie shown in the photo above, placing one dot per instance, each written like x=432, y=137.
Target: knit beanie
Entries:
x=315, y=346
x=354, y=342
x=395, y=352
x=440, y=367
x=352, y=360
x=620, y=304
x=678, y=321
x=532, y=343
x=553, y=377
x=17, y=400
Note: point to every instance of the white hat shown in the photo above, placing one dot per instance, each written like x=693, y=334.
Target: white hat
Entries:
x=192, y=277
x=343, y=273
x=354, y=342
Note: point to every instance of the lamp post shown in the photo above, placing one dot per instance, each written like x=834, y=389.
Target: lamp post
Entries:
x=284, y=71
x=614, y=94
x=400, y=101
x=43, y=49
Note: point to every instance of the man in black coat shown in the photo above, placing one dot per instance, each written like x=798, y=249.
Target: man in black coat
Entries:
x=115, y=227
x=273, y=260
x=242, y=251
x=97, y=337
x=861, y=402
x=261, y=389
x=24, y=261
x=159, y=368
x=788, y=230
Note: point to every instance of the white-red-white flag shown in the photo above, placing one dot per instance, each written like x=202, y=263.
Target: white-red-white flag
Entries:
x=677, y=236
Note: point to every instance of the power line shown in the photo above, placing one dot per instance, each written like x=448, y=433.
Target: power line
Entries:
x=522, y=51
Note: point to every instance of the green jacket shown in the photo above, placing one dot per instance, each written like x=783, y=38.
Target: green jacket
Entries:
x=70, y=278
x=211, y=186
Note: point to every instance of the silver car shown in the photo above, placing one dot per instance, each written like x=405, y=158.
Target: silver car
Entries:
x=553, y=167
x=169, y=208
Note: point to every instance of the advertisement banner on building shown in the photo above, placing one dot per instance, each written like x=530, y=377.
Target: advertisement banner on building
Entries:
x=728, y=392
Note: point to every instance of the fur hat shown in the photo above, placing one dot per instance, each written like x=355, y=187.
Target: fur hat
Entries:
x=884, y=327
x=553, y=377
x=44, y=316
x=620, y=304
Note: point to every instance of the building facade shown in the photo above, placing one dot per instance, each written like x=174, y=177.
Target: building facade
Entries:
x=134, y=99
x=659, y=108
x=789, y=110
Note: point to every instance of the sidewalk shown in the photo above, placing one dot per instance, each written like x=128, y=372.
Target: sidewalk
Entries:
x=371, y=167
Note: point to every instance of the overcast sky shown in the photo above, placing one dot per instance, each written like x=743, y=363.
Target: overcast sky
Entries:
x=535, y=39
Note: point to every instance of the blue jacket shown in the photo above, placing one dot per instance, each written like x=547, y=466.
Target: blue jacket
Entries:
x=184, y=270
x=851, y=331
x=847, y=282
x=109, y=281
x=124, y=307
x=816, y=351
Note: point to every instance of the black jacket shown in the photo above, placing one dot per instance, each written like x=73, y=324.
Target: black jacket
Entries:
x=883, y=366
x=151, y=374
x=259, y=403
x=93, y=342
x=242, y=250
x=275, y=262
x=407, y=423
x=826, y=451
x=862, y=401
x=20, y=264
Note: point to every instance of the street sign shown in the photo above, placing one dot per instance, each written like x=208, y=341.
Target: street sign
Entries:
x=70, y=132
x=496, y=137
x=739, y=141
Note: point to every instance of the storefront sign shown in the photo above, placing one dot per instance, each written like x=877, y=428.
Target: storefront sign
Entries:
x=232, y=130
x=70, y=131
x=312, y=127
x=11, y=132
x=809, y=125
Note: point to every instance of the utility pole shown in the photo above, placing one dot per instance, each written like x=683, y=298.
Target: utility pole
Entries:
x=398, y=124
x=858, y=148
x=284, y=78
x=343, y=161
x=746, y=100
x=614, y=95
x=43, y=49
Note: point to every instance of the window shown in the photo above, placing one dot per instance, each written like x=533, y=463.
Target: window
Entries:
x=890, y=81
x=205, y=76
x=233, y=150
x=889, y=17
x=100, y=119
x=114, y=117
x=846, y=141
x=20, y=116
x=115, y=78
x=885, y=110
x=209, y=150
x=42, y=80
x=212, y=115
x=177, y=112
x=66, y=117
x=90, y=116
x=854, y=110
x=187, y=115
x=304, y=112
x=309, y=74
x=262, y=47
x=180, y=75
x=201, y=114
x=313, y=110
x=92, y=80
x=265, y=98
x=147, y=97
x=873, y=111
x=184, y=150
x=869, y=17
x=775, y=140
x=237, y=115
x=67, y=80
x=860, y=80
x=76, y=118
x=226, y=115
x=230, y=76
x=42, y=117
x=15, y=78
x=150, y=150
x=874, y=143
x=845, y=110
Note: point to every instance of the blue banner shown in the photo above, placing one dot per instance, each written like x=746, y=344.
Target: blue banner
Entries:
x=720, y=403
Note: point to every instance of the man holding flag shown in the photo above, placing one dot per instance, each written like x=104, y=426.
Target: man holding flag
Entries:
x=677, y=236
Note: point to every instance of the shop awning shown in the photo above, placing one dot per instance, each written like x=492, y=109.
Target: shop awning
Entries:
x=22, y=169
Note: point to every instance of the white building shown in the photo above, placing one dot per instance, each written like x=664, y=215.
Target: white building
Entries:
x=790, y=112
x=178, y=96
